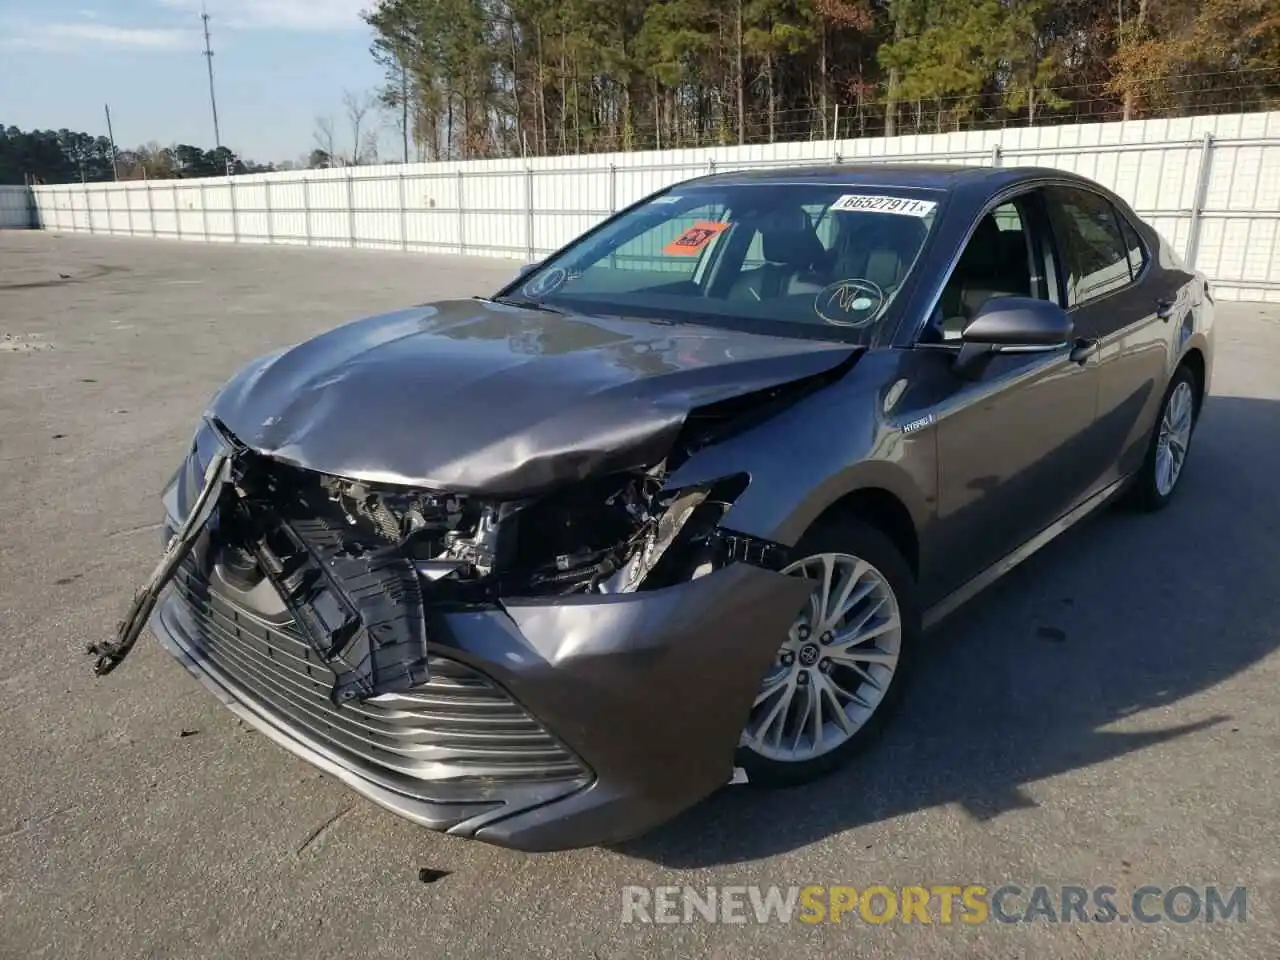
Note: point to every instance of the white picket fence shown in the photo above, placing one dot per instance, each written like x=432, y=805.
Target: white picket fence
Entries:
x=1209, y=184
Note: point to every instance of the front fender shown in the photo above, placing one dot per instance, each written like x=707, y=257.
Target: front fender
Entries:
x=847, y=437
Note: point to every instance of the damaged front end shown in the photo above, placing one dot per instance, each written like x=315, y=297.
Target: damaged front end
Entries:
x=478, y=658
x=361, y=566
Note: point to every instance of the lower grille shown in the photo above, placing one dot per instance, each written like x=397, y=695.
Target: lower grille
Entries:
x=457, y=727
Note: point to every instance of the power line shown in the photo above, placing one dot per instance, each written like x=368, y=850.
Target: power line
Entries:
x=208, y=54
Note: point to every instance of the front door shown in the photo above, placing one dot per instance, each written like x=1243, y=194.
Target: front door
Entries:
x=1016, y=449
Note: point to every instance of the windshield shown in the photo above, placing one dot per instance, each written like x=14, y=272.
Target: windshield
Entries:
x=815, y=260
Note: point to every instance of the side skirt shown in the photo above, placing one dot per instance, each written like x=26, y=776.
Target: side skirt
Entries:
x=949, y=604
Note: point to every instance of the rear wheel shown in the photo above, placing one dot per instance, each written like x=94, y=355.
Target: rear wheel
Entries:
x=1157, y=481
x=840, y=671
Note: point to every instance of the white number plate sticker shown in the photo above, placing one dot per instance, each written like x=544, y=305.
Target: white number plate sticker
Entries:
x=899, y=205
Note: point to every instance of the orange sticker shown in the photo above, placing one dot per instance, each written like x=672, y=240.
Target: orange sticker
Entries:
x=691, y=242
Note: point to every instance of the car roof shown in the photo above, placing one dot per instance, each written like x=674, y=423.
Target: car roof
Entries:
x=926, y=176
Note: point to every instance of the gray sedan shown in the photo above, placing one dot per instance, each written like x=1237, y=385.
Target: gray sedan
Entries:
x=672, y=509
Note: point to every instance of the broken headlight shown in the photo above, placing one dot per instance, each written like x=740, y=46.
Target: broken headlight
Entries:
x=185, y=484
x=678, y=543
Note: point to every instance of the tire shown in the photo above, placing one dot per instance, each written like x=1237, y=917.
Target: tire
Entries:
x=849, y=539
x=1151, y=491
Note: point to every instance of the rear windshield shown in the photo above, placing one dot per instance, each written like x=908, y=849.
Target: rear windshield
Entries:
x=812, y=260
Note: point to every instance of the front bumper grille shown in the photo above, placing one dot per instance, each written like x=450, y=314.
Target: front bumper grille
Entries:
x=459, y=727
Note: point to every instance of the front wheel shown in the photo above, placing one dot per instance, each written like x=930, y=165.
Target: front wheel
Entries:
x=840, y=671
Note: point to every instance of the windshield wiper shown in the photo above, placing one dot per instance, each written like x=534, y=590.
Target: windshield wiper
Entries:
x=523, y=304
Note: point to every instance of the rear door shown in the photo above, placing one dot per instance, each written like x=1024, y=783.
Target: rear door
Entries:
x=1112, y=298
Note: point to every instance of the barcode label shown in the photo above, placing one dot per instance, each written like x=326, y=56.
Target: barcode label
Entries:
x=899, y=205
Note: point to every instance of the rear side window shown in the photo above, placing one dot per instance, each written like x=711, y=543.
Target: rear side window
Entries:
x=1137, y=253
x=1095, y=254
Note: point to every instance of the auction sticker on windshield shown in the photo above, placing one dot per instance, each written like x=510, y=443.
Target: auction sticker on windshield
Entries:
x=899, y=205
x=691, y=242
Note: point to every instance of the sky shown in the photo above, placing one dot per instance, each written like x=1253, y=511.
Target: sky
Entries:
x=278, y=65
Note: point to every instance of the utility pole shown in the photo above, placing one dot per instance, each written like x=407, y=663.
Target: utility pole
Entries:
x=115, y=167
x=208, y=55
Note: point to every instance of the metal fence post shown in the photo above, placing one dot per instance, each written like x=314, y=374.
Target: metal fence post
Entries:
x=204, y=213
x=266, y=193
x=88, y=207
x=711, y=165
x=404, y=215
x=306, y=208
x=235, y=212
x=462, y=218
x=613, y=188
x=528, y=205
x=177, y=214
x=128, y=207
x=351, y=207
x=1201, y=198
x=151, y=211
x=995, y=155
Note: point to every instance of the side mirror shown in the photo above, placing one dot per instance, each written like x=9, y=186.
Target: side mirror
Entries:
x=1015, y=325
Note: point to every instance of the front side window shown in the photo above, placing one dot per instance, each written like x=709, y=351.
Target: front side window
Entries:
x=1001, y=259
x=809, y=260
x=1094, y=252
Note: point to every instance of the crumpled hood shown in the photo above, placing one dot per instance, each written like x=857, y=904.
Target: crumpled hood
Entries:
x=478, y=397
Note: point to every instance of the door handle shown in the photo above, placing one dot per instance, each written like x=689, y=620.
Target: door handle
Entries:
x=1083, y=349
x=1164, y=308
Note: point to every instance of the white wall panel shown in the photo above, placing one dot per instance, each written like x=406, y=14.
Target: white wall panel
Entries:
x=15, y=207
x=483, y=207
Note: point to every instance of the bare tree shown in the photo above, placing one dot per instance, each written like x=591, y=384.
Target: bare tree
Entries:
x=325, y=139
x=357, y=107
x=369, y=146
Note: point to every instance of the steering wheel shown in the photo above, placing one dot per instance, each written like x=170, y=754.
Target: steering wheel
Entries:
x=854, y=302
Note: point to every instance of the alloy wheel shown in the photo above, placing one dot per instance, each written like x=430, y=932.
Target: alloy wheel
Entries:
x=833, y=671
x=1174, y=436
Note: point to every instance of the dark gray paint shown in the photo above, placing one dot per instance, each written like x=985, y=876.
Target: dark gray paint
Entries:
x=1019, y=321
x=589, y=668
x=651, y=689
x=478, y=397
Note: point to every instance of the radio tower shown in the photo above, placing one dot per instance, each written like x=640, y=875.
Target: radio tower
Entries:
x=208, y=55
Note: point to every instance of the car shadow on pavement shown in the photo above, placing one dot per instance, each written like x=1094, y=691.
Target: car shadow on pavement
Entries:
x=1123, y=614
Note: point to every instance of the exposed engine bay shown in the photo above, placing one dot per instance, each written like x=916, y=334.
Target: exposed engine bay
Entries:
x=604, y=535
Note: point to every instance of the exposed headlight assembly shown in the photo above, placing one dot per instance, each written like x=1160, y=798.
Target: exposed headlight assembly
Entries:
x=680, y=542
x=185, y=485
